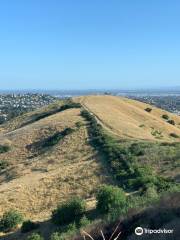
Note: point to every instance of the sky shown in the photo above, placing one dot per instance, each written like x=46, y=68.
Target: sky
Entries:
x=89, y=44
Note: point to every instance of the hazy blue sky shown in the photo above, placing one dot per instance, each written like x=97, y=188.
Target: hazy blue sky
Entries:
x=80, y=44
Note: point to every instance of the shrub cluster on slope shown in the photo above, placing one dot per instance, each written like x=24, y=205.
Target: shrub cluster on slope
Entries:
x=123, y=161
x=69, y=212
x=10, y=220
x=50, y=141
x=109, y=198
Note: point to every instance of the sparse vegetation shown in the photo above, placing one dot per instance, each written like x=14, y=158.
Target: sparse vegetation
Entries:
x=79, y=124
x=157, y=133
x=35, y=236
x=10, y=220
x=69, y=212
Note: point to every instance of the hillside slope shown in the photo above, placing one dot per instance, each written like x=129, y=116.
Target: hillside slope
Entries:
x=39, y=176
x=128, y=118
x=52, y=154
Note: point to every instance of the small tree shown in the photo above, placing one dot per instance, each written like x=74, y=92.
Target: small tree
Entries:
x=109, y=198
x=69, y=211
x=35, y=236
x=10, y=220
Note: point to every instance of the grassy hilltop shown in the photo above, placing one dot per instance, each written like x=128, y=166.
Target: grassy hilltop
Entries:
x=73, y=147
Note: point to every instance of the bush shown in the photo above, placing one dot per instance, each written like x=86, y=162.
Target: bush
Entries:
x=174, y=135
x=84, y=221
x=171, y=122
x=3, y=165
x=56, y=236
x=136, y=149
x=165, y=116
x=35, y=236
x=151, y=192
x=148, y=109
x=10, y=220
x=69, y=212
x=4, y=148
x=28, y=226
x=66, y=232
x=110, y=197
x=79, y=124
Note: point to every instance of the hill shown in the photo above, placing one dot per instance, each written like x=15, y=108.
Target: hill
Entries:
x=38, y=176
x=72, y=147
x=130, y=119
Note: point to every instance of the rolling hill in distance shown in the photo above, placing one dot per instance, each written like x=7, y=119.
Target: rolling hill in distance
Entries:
x=73, y=146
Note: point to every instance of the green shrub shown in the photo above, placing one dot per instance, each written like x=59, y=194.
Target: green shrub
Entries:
x=171, y=122
x=4, y=148
x=56, y=236
x=110, y=197
x=79, y=124
x=35, y=236
x=10, y=220
x=148, y=109
x=174, y=135
x=69, y=228
x=84, y=221
x=65, y=232
x=136, y=149
x=151, y=192
x=28, y=226
x=143, y=176
x=69, y=212
x=165, y=116
x=3, y=165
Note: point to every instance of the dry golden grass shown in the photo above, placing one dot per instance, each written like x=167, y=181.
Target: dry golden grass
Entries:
x=34, y=186
x=23, y=119
x=128, y=119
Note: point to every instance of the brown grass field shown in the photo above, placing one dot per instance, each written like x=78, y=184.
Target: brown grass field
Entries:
x=35, y=186
x=35, y=182
x=128, y=119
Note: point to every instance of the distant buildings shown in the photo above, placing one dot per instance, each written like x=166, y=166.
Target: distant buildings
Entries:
x=169, y=103
x=12, y=105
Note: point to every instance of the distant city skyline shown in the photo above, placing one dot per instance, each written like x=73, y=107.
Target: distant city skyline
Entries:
x=66, y=45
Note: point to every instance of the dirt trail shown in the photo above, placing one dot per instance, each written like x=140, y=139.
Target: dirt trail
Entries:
x=99, y=121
